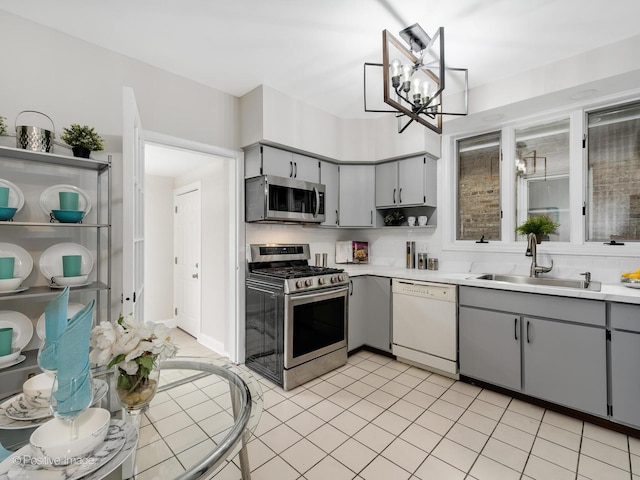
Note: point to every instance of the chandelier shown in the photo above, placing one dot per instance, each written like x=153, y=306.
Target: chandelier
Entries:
x=414, y=78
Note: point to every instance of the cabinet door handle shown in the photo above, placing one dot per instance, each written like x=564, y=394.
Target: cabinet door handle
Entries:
x=528, y=331
x=371, y=217
x=400, y=196
x=394, y=195
x=290, y=169
x=337, y=218
x=350, y=287
x=295, y=174
x=515, y=327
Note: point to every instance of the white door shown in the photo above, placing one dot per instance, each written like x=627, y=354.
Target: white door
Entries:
x=187, y=264
x=133, y=207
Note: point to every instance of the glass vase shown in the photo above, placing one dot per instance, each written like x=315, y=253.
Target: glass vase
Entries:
x=135, y=392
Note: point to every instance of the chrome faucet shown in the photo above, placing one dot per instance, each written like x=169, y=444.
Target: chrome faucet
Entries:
x=533, y=252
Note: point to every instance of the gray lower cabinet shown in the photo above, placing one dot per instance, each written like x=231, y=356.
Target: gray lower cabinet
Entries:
x=357, y=312
x=566, y=364
x=489, y=344
x=369, y=313
x=549, y=347
x=625, y=363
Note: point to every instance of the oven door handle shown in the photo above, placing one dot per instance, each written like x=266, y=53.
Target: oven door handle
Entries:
x=322, y=293
x=270, y=292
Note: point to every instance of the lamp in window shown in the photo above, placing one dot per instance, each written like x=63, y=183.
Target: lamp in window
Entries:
x=414, y=78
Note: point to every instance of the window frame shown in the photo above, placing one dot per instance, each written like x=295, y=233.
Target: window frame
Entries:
x=578, y=160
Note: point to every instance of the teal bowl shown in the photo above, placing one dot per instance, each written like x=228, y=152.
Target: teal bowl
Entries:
x=68, y=216
x=7, y=213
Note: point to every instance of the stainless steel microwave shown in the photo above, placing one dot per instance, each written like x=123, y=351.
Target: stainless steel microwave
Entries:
x=277, y=199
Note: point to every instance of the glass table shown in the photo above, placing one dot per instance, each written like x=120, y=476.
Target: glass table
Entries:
x=202, y=416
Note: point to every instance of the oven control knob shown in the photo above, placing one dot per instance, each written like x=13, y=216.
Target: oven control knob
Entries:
x=341, y=278
x=299, y=284
x=322, y=280
x=334, y=279
x=308, y=282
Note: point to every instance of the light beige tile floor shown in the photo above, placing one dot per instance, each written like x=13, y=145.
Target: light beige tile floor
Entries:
x=377, y=418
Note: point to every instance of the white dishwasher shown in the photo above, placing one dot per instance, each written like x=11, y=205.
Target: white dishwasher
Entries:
x=425, y=325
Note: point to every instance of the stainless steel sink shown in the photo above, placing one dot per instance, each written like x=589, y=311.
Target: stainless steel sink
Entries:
x=547, y=282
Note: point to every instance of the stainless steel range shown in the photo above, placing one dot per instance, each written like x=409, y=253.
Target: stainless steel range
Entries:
x=296, y=315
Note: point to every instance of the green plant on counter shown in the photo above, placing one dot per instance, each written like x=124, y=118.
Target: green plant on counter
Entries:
x=3, y=126
x=540, y=225
x=83, y=137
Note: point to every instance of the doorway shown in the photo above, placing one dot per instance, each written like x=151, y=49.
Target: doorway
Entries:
x=211, y=299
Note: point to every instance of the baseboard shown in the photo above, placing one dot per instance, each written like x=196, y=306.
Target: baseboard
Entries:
x=168, y=322
x=212, y=344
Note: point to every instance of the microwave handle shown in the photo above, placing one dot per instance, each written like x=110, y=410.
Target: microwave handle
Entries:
x=317, y=209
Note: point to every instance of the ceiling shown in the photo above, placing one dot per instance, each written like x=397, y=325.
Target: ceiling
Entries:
x=314, y=50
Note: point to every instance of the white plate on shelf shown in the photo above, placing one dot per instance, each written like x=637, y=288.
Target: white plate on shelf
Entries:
x=72, y=309
x=20, y=359
x=51, y=259
x=16, y=197
x=49, y=199
x=23, y=464
x=22, y=327
x=11, y=292
x=23, y=261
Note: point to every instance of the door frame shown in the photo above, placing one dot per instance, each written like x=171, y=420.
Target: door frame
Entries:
x=236, y=241
x=192, y=187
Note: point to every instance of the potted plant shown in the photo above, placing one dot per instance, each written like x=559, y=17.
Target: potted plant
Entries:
x=394, y=218
x=3, y=126
x=540, y=225
x=82, y=140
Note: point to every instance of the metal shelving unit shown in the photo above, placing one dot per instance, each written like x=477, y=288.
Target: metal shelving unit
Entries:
x=34, y=170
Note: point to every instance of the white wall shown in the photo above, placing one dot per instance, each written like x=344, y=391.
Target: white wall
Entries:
x=76, y=82
x=158, y=253
x=270, y=115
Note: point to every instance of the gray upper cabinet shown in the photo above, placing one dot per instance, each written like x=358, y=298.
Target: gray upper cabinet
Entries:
x=306, y=168
x=330, y=178
x=625, y=363
x=408, y=182
x=357, y=195
x=387, y=184
x=266, y=160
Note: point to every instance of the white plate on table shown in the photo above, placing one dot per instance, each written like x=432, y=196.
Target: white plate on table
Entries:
x=23, y=261
x=22, y=327
x=16, y=409
x=121, y=438
x=51, y=259
x=49, y=199
x=16, y=197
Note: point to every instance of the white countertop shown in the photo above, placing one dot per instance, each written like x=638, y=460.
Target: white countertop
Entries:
x=609, y=292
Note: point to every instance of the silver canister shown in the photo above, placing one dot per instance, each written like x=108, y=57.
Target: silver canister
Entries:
x=318, y=260
x=422, y=261
x=411, y=254
x=324, y=259
x=432, y=264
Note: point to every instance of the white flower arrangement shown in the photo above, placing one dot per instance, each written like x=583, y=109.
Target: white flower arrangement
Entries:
x=132, y=346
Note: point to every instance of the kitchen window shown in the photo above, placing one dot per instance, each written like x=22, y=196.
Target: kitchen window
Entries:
x=478, y=191
x=613, y=175
x=542, y=175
